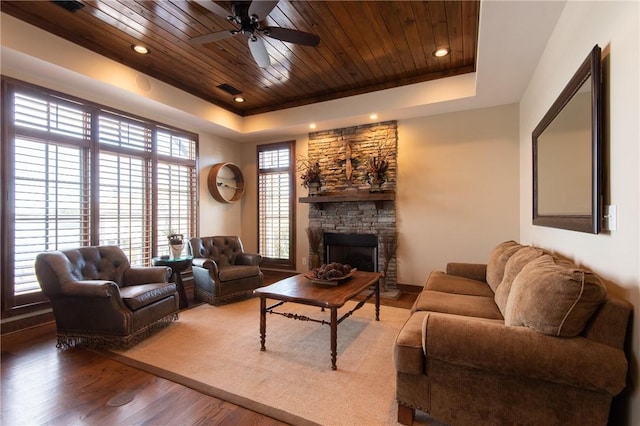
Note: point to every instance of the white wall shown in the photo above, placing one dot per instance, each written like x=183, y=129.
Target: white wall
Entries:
x=217, y=218
x=457, y=188
x=614, y=255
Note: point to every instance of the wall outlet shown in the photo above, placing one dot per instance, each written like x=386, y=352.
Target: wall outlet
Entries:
x=610, y=218
x=304, y=261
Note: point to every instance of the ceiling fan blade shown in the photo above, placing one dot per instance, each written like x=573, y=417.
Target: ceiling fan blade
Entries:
x=292, y=36
x=217, y=36
x=261, y=8
x=259, y=52
x=213, y=7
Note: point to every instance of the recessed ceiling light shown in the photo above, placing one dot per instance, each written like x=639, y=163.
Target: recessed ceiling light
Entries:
x=444, y=51
x=138, y=48
x=238, y=99
x=373, y=116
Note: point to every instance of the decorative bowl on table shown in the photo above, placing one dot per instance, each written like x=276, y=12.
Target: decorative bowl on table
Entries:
x=330, y=274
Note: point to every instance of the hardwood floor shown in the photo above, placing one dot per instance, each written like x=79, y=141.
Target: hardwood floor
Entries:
x=43, y=385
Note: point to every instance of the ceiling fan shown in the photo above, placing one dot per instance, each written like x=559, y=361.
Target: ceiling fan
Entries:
x=247, y=16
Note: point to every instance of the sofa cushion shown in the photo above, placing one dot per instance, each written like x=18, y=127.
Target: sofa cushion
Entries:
x=439, y=281
x=553, y=297
x=236, y=272
x=473, y=271
x=139, y=296
x=513, y=267
x=458, y=304
x=498, y=260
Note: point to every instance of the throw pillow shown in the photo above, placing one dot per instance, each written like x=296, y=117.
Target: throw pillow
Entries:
x=498, y=260
x=553, y=297
x=513, y=267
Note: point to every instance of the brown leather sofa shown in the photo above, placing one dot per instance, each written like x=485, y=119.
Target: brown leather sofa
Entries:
x=526, y=339
x=222, y=271
x=100, y=300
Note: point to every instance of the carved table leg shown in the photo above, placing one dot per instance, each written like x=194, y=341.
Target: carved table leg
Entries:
x=334, y=337
x=263, y=322
x=378, y=300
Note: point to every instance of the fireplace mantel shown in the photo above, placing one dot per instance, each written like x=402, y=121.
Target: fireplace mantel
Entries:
x=350, y=197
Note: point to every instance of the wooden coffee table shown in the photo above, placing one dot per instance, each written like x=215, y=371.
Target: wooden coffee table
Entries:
x=299, y=289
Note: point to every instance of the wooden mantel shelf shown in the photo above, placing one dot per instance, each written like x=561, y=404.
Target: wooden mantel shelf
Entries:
x=350, y=197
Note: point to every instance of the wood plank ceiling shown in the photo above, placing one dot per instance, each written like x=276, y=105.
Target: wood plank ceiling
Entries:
x=364, y=46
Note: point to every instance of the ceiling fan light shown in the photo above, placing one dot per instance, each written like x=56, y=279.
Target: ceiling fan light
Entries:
x=442, y=52
x=138, y=48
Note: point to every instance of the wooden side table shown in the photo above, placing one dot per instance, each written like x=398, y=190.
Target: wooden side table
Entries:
x=177, y=265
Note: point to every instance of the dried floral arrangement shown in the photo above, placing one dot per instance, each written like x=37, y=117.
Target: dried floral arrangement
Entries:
x=389, y=248
x=377, y=165
x=314, y=236
x=310, y=171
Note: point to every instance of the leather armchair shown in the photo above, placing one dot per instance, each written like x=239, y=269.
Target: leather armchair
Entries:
x=222, y=270
x=100, y=300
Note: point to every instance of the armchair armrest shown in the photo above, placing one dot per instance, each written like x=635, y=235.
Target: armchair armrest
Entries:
x=522, y=352
x=250, y=259
x=146, y=274
x=474, y=271
x=203, y=262
x=90, y=288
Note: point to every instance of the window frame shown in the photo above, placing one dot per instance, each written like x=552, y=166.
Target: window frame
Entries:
x=277, y=263
x=14, y=304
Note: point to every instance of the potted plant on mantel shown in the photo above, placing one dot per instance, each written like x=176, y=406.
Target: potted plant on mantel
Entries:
x=176, y=243
x=376, y=172
x=310, y=175
x=376, y=167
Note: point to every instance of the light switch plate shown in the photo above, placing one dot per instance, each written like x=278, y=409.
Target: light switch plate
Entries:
x=610, y=217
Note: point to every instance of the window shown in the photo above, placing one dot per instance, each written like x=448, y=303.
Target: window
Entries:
x=77, y=174
x=276, y=214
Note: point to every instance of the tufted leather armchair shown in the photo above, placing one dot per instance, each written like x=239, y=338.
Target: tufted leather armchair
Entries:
x=222, y=270
x=100, y=300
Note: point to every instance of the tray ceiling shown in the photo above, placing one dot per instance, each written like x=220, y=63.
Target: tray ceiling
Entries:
x=364, y=46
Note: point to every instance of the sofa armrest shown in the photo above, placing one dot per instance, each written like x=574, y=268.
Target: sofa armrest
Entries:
x=146, y=275
x=474, y=271
x=205, y=263
x=522, y=352
x=249, y=259
x=90, y=288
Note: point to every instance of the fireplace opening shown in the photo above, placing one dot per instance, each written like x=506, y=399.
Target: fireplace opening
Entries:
x=358, y=250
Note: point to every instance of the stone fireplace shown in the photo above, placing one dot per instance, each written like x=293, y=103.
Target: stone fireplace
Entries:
x=356, y=224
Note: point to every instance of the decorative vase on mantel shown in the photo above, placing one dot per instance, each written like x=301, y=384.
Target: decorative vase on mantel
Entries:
x=314, y=188
x=375, y=184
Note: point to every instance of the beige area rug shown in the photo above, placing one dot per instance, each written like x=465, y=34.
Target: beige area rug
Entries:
x=216, y=350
